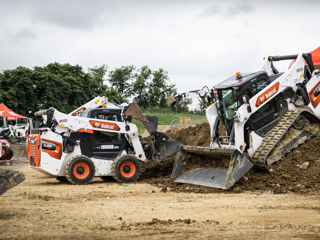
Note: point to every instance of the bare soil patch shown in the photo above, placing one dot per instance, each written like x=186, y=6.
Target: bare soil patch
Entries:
x=287, y=175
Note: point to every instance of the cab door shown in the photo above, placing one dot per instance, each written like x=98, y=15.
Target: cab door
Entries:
x=107, y=145
x=265, y=118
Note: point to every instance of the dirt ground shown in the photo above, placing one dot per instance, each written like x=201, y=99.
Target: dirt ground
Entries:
x=282, y=204
x=285, y=176
x=42, y=208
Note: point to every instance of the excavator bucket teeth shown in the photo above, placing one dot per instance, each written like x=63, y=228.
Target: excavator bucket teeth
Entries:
x=9, y=179
x=135, y=111
x=190, y=162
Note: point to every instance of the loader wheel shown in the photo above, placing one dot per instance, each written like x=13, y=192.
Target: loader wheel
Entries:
x=299, y=122
x=79, y=170
x=10, y=154
x=6, y=153
x=126, y=168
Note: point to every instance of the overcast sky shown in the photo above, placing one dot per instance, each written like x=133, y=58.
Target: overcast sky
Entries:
x=198, y=42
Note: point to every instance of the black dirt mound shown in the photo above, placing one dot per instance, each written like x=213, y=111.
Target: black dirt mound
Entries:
x=298, y=172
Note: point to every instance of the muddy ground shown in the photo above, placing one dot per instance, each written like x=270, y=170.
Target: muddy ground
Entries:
x=283, y=204
x=286, y=176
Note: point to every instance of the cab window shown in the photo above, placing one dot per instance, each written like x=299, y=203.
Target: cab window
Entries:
x=84, y=114
x=257, y=86
x=108, y=116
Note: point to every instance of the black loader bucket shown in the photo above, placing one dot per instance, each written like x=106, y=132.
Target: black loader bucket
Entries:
x=9, y=179
x=163, y=146
x=218, y=168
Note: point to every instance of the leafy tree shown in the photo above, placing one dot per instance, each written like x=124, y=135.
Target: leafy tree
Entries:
x=17, y=90
x=182, y=106
x=141, y=85
x=121, y=79
x=202, y=105
x=98, y=76
x=160, y=89
x=67, y=87
x=63, y=86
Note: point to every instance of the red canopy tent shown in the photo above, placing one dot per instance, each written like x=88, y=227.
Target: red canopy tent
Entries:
x=11, y=115
x=316, y=57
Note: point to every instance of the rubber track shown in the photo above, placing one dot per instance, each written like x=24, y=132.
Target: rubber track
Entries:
x=274, y=136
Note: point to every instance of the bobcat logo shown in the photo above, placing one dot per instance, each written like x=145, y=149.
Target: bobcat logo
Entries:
x=267, y=94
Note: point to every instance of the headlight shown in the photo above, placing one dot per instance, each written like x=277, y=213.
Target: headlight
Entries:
x=48, y=145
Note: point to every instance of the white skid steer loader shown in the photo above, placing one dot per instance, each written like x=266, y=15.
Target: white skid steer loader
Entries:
x=265, y=115
x=95, y=140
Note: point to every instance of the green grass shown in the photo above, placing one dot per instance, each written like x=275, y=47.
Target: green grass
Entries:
x=166, y=118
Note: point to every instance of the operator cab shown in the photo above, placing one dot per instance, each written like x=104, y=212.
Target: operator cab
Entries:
x=101, y=144
x=231, y=94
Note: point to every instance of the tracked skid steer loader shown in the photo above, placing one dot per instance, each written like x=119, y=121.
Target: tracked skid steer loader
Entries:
x=255, y=119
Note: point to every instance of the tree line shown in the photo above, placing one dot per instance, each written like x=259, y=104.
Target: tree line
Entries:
x=67, y=87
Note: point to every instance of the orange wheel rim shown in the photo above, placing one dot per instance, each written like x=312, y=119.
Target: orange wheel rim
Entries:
x=127, y=169
x=81, y=170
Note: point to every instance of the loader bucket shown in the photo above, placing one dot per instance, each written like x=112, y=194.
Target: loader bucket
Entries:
x=9, y=179
x=209, y=167
x=135, y=111
x=168, y=148
x=163, y=146
x=171, y=101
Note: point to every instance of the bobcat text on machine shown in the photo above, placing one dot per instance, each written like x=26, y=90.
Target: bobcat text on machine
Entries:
x=265, y=114
x=97, y=139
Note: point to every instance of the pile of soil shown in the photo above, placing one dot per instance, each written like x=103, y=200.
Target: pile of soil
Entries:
x=297, y=172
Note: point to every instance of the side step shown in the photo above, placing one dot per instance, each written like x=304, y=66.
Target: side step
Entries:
x=217, y=177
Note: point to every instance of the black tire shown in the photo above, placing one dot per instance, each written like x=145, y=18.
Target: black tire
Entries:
x=7, y=151
x=10, y=154
x=79, y=170
x=126, y=168
x=62, y=179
